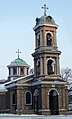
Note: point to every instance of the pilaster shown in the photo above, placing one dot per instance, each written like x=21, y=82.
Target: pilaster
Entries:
x=11, y=71
x=41, y=66
x=58, y=66
x=45, y=66
x=10, y=100
x=19, y=102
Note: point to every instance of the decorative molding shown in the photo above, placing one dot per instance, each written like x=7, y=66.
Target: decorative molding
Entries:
x=44, y=110
x=50, y=33
x=53, y=89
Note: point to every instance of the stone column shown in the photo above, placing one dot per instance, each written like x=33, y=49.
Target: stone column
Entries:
x=17, y=70
x=35, y=67
x=41, y=65
x=43, y=98
x=63, y=98
x=42, y=33
x=19, y=100
x=22, y=100
x=66, y=97
x=45, y=66
x=60, y=99
x=58, y=66
x=55, y=68
x=35, y=41
x=11, y=70
x=47, y=101
x=40, y=38
x=25, y=71
x=45, y=44
x=11, y=101
x=55, y=40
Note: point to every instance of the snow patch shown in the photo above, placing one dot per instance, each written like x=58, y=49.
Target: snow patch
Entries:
x=24, y=116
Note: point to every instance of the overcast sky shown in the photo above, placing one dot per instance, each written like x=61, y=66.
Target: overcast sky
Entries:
x=17, y=19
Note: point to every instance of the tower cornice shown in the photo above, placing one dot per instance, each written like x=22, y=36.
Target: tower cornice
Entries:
x=48, y=25
x=46, y=52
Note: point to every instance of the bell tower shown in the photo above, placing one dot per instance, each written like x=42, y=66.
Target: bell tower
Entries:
x=52, y=95
x=46, y=55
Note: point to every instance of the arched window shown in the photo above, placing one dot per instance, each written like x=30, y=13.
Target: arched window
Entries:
x=50, y=66
x=28, y=98
x=49, y=39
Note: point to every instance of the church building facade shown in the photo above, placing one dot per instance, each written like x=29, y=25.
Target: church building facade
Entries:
x=43, y=92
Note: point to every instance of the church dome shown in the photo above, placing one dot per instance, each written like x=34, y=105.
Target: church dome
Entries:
x=18, y=62
x=45, y=20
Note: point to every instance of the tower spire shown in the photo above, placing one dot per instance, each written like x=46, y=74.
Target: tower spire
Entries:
x=18, y=52
x=45, y=9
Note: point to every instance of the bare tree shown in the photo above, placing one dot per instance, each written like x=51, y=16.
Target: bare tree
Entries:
x=66, y=75
x=31, y=71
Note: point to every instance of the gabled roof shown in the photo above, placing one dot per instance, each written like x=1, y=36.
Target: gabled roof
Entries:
x=19, y=79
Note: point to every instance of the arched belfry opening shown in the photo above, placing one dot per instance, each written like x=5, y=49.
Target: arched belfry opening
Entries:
x=49, y=39
x=53, y=102
x=50, y=66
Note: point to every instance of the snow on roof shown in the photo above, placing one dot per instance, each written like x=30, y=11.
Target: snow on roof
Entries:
x=17, y=79
x=2, y=88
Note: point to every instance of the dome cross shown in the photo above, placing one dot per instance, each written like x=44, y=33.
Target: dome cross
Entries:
x=18, y=52
x=45, y=9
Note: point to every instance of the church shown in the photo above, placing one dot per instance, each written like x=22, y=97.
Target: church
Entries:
x=42, y=92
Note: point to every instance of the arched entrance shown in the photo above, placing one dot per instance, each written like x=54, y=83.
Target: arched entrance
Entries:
x=53, y=102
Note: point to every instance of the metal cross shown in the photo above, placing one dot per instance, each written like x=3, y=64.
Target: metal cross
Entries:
x=45, y=9
x=18, y=52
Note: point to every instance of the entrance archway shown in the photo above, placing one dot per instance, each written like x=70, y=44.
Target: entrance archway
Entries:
x=53, y=102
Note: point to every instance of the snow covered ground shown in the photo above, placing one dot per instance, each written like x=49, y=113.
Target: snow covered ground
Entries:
x=12, y=116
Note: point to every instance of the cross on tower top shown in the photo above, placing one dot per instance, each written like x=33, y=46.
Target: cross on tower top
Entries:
x=18, y=52
x=45, y=9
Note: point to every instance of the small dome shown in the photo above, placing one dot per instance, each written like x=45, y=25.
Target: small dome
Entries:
x=18, y=62
x=45, y=20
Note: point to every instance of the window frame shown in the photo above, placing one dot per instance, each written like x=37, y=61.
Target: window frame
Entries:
x=49, y=32
x=30, y=98
x=53, y=62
